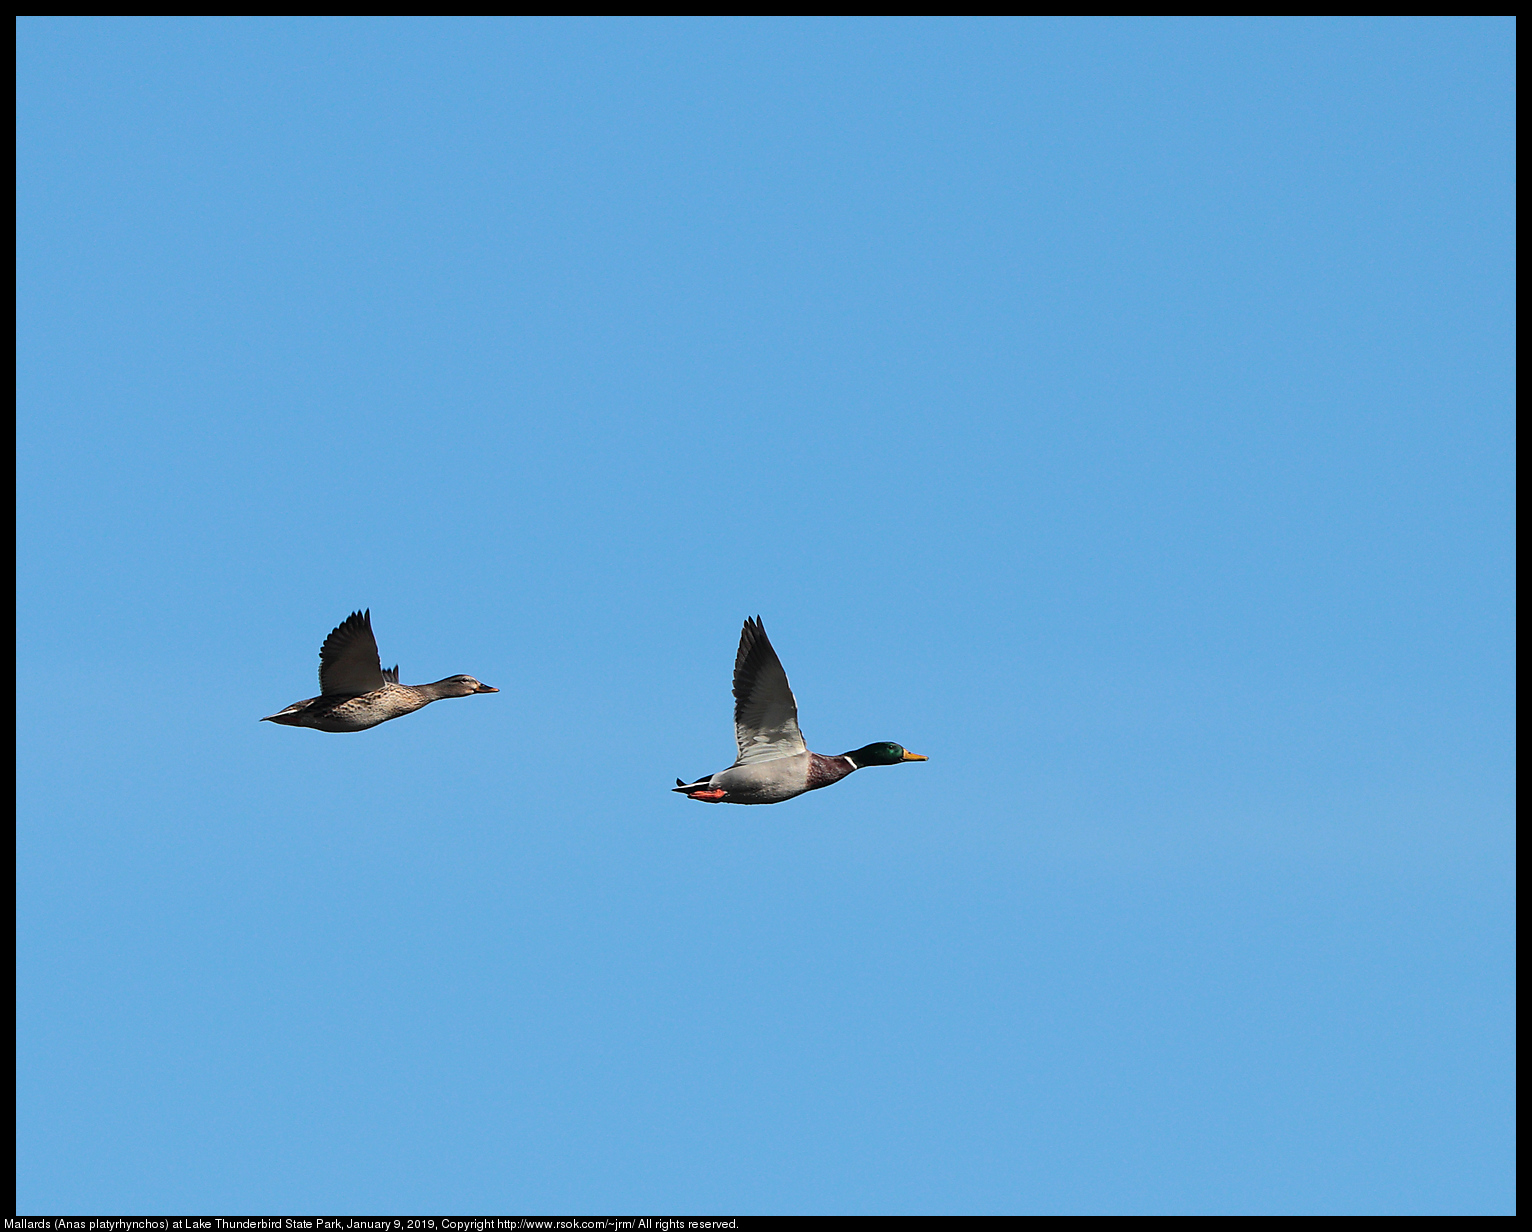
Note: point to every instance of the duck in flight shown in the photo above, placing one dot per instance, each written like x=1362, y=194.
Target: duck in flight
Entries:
x=774, y=763
x=355, y=693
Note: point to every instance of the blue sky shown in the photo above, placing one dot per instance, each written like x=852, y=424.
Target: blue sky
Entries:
x=1118, y=412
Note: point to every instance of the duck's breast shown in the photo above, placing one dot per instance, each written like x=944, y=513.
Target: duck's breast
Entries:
x=370, y=709
x=826, y=770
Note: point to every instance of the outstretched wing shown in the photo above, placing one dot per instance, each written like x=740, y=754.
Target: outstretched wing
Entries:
x=765, y=714
x=348, y=660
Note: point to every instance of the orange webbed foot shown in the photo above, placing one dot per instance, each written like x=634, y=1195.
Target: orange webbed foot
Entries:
x=714, y=796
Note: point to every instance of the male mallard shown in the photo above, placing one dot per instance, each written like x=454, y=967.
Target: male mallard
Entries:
x=355, y=693
x=774, y=763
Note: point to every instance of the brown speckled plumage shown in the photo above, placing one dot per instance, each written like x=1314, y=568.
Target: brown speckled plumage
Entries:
x=356, y=693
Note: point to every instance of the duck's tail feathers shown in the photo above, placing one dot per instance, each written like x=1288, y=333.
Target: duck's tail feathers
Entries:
x=702, y=782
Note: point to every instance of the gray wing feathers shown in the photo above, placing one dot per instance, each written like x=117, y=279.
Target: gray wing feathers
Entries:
x=348, y=660
x=765, y=714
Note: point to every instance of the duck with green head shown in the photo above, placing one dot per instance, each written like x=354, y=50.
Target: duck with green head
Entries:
x=774, y=763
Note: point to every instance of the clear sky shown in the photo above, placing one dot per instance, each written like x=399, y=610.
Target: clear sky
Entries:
x=1117, y=412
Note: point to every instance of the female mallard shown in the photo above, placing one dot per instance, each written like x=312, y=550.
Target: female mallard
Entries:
x=355, y=693
x=774, y=763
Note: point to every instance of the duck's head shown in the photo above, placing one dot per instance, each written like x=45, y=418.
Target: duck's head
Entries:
x=463, y=686
x=886, y=754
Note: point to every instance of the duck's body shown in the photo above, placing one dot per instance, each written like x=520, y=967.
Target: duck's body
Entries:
x=356, y=693
x=771, y=782
x=774, y=763
x=358, y=711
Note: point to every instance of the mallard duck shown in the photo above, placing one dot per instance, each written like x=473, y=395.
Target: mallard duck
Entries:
x=774, y=763
x=355, y=693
